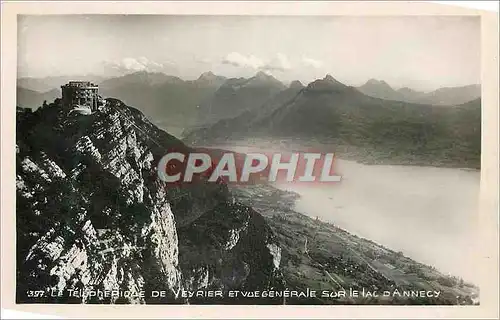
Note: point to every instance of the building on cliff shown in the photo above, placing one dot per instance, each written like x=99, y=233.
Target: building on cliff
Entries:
x=81, y=94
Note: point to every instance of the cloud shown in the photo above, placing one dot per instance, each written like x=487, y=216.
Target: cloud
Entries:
x=134, y=64
x=279, y=63
x=309, y=62
x=239, y=60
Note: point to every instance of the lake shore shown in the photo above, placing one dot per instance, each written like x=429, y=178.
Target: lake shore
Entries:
x=322, y=256
x=362, y=155
x=429, y=213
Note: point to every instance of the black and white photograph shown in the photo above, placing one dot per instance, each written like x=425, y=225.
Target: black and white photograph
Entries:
x=248, y=159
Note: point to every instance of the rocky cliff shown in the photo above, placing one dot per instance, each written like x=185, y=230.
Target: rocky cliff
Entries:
x=92, y=215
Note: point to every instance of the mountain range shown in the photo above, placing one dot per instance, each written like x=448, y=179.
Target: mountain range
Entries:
x=169, y=100
x=443, y=96
x=372, y=128
x=32, y=99
x=45, y=84
x=92, y=215
x=238, y=95
x=404, y=125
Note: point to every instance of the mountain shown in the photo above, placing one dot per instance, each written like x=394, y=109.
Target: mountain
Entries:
x=27, y=98
x=452, y=95
x=238, y=95
x=296, y=84
x=139, y=78
x=92, y=214
x=373, y=130
x=225, y=128
x=406, y=94
x=54, y=82
x=381, y=89
x=176, y=104
x=443, y=96
x=209, y=78
x=168, y=101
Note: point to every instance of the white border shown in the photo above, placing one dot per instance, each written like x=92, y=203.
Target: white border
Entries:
x=489, y=173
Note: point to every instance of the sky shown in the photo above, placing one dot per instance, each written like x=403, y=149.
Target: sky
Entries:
x=420, y=52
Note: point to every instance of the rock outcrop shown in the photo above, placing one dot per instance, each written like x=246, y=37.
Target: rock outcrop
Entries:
x=92, y=215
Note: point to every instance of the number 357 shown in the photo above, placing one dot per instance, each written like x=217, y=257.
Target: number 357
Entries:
x=34, y=294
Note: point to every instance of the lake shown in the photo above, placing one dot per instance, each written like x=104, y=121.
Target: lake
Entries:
x=428, y=213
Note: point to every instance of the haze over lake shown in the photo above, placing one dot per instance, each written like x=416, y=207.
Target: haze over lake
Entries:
x=428, y=213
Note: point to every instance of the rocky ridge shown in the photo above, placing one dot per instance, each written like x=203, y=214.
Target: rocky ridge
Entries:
x=92, y=215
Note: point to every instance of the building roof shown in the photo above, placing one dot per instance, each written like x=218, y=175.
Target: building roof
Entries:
x=80, y=84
